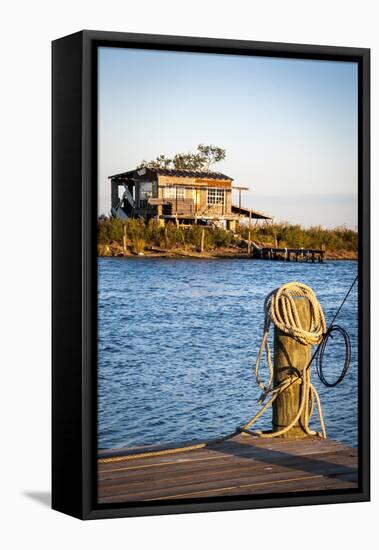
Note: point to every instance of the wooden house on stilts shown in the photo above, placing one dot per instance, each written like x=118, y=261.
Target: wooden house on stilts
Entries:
x=183, y=196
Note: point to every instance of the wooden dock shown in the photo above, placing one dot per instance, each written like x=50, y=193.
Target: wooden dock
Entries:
x=289, y=254
x=243, y=465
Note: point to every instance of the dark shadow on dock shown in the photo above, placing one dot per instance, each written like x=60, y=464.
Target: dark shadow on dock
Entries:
x=41, y=497
x=281, y=458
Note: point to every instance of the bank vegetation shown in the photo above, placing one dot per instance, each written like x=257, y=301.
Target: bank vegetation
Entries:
x=135, y=237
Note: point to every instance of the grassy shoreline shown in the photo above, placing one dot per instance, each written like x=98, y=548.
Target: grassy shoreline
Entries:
x=232, y=255
x=116, y=251
x=133, y=238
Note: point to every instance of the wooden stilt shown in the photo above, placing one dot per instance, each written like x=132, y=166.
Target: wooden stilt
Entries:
x=124, y=248
x=202, y=240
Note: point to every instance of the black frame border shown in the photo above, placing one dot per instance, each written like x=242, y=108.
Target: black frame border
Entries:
x=74, y=270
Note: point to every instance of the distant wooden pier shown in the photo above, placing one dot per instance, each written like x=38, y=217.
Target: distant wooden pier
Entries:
x=243, y=465
x=289, y=254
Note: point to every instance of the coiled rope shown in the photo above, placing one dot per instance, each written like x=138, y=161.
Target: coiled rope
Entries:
x=280, y=309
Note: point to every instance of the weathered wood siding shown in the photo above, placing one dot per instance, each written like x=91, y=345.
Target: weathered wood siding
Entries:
x=198, y=195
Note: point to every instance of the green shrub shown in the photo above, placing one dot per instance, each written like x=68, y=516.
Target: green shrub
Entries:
x=110, y=229
x=295, y=236
x=193, y=235
x=175, y=235
x=220, y=237
x=154, y=234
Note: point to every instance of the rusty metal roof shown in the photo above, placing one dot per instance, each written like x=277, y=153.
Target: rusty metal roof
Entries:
x=176, y=173
x=249, y=212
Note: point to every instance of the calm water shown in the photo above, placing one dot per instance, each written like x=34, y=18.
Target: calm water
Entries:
x=178, y=339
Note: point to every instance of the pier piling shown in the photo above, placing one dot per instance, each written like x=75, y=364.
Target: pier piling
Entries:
x=124, y=242
x=289, y=254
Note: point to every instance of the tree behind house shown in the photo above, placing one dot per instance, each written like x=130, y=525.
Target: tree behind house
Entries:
x=206, y=156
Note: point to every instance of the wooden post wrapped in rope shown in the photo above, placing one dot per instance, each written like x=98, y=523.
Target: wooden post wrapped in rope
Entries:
x=290, y=359
x=296, y=323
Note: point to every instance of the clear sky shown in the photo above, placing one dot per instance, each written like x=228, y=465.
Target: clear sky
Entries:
x=289, y=127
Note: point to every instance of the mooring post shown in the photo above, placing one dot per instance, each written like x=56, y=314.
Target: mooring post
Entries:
x=249, y=236
x=290, y=359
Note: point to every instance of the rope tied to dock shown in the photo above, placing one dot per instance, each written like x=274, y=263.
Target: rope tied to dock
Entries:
x=280, y=309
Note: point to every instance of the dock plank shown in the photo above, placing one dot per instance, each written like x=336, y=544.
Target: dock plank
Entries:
x=240, y=466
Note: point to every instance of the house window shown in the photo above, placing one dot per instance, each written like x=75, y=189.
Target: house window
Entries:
x=173, y=192
x=215, y=196
x=145, y=190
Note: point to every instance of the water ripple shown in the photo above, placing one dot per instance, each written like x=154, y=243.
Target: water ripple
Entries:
x=178, y=340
